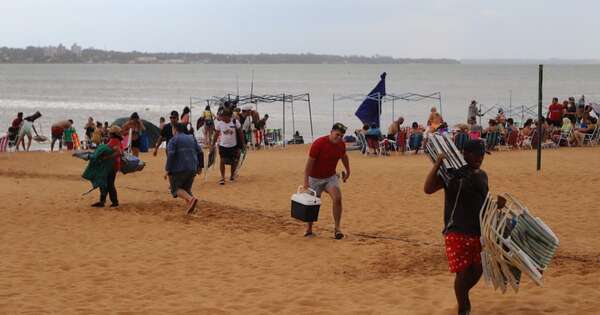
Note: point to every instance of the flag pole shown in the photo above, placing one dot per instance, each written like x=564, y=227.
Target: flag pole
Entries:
x=539, y=124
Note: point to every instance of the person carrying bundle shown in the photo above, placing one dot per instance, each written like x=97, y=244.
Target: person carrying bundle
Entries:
x=108, y=164
x=464, y=197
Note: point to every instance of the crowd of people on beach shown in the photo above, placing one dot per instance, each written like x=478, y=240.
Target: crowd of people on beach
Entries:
x=565, y=124
x=232, y=130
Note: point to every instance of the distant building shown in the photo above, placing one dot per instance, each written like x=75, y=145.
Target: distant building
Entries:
x=50, y=51
x=76, y=50
x=61, y=50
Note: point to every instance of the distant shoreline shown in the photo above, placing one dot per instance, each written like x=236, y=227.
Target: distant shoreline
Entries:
x=77, y=55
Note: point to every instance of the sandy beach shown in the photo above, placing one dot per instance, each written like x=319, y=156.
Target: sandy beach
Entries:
x=243, y=254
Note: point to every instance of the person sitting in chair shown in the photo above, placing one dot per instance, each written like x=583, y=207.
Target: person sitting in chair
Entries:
x=373, y=136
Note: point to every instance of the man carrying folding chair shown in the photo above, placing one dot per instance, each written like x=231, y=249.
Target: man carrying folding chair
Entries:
x=465, y=194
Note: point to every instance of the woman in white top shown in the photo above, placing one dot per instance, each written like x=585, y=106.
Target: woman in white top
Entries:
x=25, y=130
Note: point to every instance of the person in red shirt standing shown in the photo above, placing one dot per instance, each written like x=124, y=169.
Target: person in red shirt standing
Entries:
x=16, y=123
x=555, y=113
x=115, y=144
x=320, y=172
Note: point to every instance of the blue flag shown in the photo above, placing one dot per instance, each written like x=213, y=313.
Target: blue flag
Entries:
x=368, y=111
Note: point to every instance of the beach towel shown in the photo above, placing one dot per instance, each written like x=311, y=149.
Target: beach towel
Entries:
x=76, y=142
x=84, y=155
x=131, y=163
x=98, y=168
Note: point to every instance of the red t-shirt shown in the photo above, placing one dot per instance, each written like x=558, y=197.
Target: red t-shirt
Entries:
x=17, y=122
x=326, y=155
x=555, y=112
x=112, y=143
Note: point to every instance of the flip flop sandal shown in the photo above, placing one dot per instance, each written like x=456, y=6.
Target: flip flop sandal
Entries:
x=310, y=234
x=222, y=181
x=192, y=206
x=338, y=235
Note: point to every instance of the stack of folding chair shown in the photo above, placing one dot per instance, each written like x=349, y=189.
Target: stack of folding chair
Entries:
x=453, y=162
x=513, y=242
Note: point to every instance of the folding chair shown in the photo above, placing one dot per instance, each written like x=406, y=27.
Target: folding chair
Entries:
x=460, y=138
x=565, y=137
x=415, y=141
x=590, y=138
x=401, y=139
x=492, y=139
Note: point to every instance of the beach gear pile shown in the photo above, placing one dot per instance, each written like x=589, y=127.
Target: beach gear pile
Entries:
x=513, y=242
x=453, y=163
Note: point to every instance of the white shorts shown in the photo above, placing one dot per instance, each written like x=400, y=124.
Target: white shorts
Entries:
x=25, y=129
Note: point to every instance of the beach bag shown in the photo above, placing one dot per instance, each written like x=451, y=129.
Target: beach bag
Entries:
x=305, y=205
x=131, y=163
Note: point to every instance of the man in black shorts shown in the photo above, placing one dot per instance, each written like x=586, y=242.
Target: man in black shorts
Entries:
x=229, y=135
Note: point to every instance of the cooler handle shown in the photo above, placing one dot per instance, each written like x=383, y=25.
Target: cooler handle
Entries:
x=301, y=188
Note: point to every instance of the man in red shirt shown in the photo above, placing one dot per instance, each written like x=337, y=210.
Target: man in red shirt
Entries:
x=16, y=123
x=320, y=172
x=555, y=113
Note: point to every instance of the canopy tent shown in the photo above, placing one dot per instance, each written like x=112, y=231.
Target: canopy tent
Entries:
x=516, y=112
x=152, y=131
x=256, y=99
x=388, y=97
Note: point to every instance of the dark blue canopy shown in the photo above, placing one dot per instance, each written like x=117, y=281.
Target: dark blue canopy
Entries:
x=368, y=112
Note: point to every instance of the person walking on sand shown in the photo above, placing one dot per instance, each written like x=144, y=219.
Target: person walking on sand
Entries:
x=115, y=144
x=137, y=127
x=166, y=132
x=320, y=172
x=229, y=135
x=57, y=130
x=464, y=198
x=184, y=161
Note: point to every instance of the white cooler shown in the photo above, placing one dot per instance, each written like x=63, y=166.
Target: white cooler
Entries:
x=305, y=205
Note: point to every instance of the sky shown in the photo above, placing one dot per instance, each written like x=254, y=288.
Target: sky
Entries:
x=460, y=29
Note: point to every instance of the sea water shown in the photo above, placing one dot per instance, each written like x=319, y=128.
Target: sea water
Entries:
x=109, y=91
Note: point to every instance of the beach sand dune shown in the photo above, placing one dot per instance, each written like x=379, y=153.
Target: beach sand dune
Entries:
x=243, y=253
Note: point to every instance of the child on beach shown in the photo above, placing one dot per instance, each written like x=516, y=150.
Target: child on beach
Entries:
x=68, y=136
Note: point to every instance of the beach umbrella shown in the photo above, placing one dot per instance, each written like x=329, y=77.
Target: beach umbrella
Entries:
x=370, y=109
x=152, y=131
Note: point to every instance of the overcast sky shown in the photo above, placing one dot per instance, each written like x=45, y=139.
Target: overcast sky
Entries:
x=416, y=28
